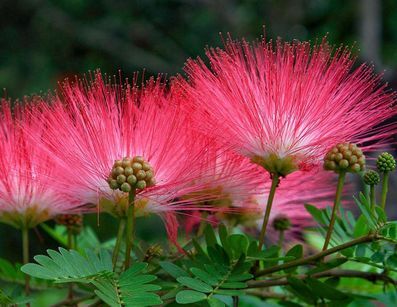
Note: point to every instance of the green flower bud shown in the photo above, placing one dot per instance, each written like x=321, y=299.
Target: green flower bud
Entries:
x=146, y=166
x=125, y=187
x=140, y=175
x=131, y=180
x=344, y=157
x=121, y=179
x=118, y=163
x=128, y=171
x=281, y=223
x=149, y=175
x=343, y=164
x=131, y=173
x=119, y=170
x=338, y=157
x=126, y=162
x=141, y=184
x=73, y=222
x=371, y=178
x=386, y=162
x=138, y=159
x=353, y=159
x=355, y=168
x=113, y=184
x=152, y=182
x=136, y=166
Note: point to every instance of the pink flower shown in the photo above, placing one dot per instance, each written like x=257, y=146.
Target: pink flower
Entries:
x=285, y=104
x=234, y=182
x=27, y=194
x=92, y=124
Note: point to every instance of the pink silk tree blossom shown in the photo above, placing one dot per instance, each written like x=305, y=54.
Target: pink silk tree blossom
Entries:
x=285, y=104
x=235, y=181
x=29, y=175
x=92, y=124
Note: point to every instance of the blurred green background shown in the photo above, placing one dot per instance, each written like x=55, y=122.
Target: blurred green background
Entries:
x=42, y=42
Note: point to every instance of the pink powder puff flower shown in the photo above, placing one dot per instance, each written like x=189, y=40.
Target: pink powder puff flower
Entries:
x=234, y=181
x=92, y=124
x=284, y=105
x=27, y=194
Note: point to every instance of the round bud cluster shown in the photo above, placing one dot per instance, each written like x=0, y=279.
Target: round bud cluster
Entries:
x=371, y=178
x=386, y=162
x=71, y=221
x=281, y=223
x=131, y=173
x=345, y=157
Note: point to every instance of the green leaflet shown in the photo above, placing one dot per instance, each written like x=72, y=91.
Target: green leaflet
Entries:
x=131, y=288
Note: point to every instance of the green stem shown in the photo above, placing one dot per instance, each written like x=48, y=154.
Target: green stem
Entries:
x=320, y=255
x=71, y=245
x=370, y=276
x=71, y=239
x=25, y=252
x=385, y=187
x=235, y=301
x=130, y=228
x=119, y=238
x=202, y=225
x=335, y=209
x=275, y=182
x=281, y=239
x=372, y=198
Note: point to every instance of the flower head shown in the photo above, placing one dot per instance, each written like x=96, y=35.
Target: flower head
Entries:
x=234, y=183
x=284, y=105
x=29, y=176
x=109, y=138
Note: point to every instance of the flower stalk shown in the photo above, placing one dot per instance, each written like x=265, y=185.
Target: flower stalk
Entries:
x=335, y=209
x=372, y=198
x=119, y=238
x=130, y=228
x=385, y=188
x=275, y=182
x=25, y=253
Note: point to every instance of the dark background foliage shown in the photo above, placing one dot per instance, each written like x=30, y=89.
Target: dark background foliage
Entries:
x=42, y=42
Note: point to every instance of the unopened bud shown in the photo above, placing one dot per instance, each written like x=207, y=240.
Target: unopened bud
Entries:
x=125, y=187
x=344, y=157
x=371, y=178
x=74, y=222
x=131, y=173
x=386, y=162
x=281, y=223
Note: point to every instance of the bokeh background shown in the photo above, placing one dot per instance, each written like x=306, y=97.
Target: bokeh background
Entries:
x=42, y=42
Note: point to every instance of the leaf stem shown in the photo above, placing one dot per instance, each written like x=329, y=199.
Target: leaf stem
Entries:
x=130, y=228
x=275, y=182
x=385, y=187
x=320, y=255
x=335, y=209
x=371, y=276
x=119, y=238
